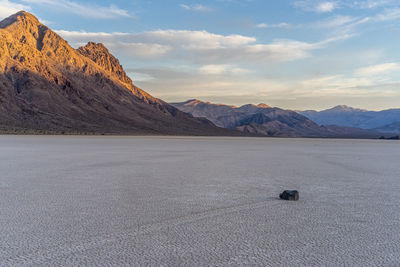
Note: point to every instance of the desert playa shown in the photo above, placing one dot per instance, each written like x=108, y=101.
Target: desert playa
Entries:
x=194, y=201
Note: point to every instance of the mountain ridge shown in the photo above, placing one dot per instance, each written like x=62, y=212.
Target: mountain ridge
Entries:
x=354, y=117
x=46, y=85
x=265, y=120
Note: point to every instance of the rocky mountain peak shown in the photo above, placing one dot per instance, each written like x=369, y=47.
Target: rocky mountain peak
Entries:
x=193, y=102
x=22, y=18
x=24, y=24
x=31, y=39
x=26, y=28
x=344, y=108
x=99, y=54
x=262, y=105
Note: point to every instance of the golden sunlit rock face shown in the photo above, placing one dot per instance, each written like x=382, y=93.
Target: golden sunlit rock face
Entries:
x=47, y=85
x=99, y=54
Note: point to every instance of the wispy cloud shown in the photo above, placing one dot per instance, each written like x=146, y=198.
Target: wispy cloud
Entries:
x=326, y=7
x=8, y=8
x=369, y=4
x=84, y=10
x=196, y=7
x=218, y=69
x=316, y=92
x=376, y=80
x=141, y=77
x=317, y=6
x=388, y=14
x=341, y=25
x=378, y=69
x=125, y=43
x=351, y=87
x=336, y=21
x=282, y=25
x=202, y=47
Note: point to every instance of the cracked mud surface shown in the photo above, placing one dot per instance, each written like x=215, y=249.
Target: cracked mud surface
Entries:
x=177, y=201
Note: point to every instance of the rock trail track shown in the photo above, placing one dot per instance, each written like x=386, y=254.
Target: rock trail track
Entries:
x=41, y=258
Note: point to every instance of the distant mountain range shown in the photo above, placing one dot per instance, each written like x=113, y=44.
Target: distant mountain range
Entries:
x=383, y=121
x=48, y=86
x=390, y=128
x=265, y=120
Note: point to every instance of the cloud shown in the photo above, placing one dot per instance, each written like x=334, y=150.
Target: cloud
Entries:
x=320, y=6
x=346, y=24
x=369, y=4
x=378, y=69
x=389, y=14
x=366, y=82
x=317, y=6
x=283, y=25
x=353, y=90
x=140, y=50
x=196, y=7
x=173, y=85
x=336, y=21
x=179, y=64
x=341, y=25
x=196, y=40
x=335, y=82
x=8, y=8
x=84, y=10
x=217, y=69
x=200, y=47
x=140, y=77
x=325, y=7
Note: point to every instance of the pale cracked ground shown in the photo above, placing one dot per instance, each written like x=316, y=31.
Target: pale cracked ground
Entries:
x=148, y=201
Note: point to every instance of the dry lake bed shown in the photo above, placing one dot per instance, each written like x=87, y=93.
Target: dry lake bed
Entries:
x=193, y=201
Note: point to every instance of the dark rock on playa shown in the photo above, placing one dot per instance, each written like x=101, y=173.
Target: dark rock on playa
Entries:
x=290, y=195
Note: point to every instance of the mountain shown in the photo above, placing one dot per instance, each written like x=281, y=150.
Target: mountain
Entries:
x=351, y=117
x=48, y=86
x=390, y=128
x=265, y=120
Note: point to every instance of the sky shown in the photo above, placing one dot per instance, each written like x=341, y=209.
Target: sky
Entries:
x=294, y=54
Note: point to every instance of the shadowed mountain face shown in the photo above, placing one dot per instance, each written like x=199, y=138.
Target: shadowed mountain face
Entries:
x=351, y=117
x=45, y=84
x=390, y=128
x=265, y=120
